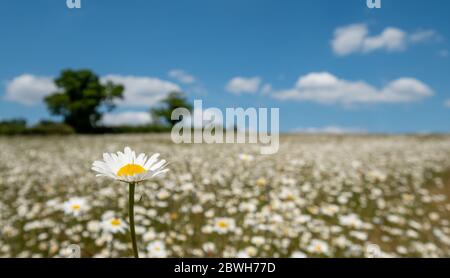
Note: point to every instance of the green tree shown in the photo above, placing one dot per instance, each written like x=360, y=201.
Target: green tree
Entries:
x=82, y=98
x=173, y=101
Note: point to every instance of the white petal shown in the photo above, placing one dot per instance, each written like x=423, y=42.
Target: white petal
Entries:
x=157, y=165
x=150, y=161
x=140, y=160
x=160, y=172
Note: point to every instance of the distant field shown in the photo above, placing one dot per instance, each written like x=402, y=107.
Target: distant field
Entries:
x=319, y=196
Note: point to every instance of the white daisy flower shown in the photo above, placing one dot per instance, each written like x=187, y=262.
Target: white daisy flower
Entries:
x=209, y=247
x=318, y=246
x=247, y=253
x=330, y=210
x=261, y=182
x=351, y=220
x=128, y=167
x=376, y=175
x=298, y=255
x=75, y=206
x=223, y=225
x=246, y=157
x=113, y=225
x=163, y=194
x=157, y=249
x=258, y=240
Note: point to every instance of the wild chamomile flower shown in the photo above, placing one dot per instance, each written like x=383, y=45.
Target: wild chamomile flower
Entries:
x=113, y=225
x=247, y=253
x=223, y=225
x=246, y=157
x=128, y=167
x=261, y=182
x=298, y=255
x=318, y=246
x=157, y=249
x=350, y=220
x=132, y=169
x=75, y=206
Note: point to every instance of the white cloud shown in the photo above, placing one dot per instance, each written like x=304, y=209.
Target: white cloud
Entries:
x=391, y=39
x=447, y=103
x=323, y=87
x=330, y=130
x=126, y=118
x=349, y=39
x=182, y=76
x=239, y=85
x=141, y=91
x=28, y=89
x=355, y=38
x=423, y=36
x=266, y=89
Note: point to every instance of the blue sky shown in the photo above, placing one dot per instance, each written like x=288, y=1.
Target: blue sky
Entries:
x=328, y=65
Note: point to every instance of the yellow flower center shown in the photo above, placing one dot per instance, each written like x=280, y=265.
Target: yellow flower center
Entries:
x=245, y=157
x=318, y=248
x=130, y=170
x=223, y=224
x=115, y=222
x=76, y=207
x=261, y=182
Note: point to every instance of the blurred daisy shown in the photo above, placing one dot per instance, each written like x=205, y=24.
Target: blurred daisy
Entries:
x=318, y=247
x=209, y=247
x=298, y=255
x=258, y=240
x=113, y=225
x=157, y=249
x=163, y=194
x=261, y=182
x=376, y=175
x=288, y=194
x=350, y=220
x=330, y=210
x=248, y=252
x=128, y=167
x=246, y=157
x=223, y=225
x=75, y=206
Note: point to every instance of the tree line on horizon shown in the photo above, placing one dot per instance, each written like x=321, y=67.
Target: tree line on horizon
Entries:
x=82, y=99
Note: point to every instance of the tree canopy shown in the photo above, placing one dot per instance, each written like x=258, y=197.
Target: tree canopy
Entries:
x=82, y=98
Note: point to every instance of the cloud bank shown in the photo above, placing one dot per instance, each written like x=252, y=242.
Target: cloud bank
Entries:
x=182, y=76
x=239, y=85
x=28, y=89
x=325, y=88
x=355, y=38
x=140, y=91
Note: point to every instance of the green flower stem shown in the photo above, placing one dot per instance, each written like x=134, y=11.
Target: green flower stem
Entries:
x=131, y=215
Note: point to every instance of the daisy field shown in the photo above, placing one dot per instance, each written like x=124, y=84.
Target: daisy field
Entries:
x=319, y=196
